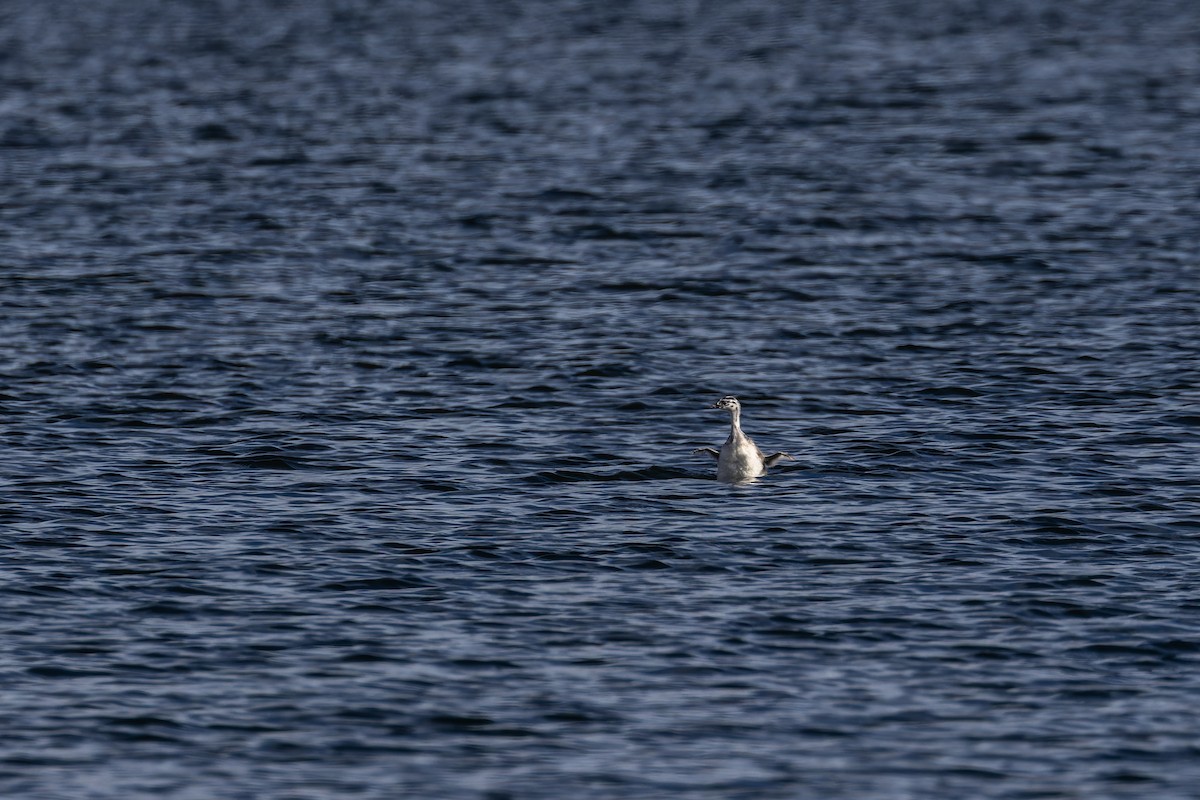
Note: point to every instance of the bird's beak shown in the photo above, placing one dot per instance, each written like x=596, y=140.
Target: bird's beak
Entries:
x=714, y=405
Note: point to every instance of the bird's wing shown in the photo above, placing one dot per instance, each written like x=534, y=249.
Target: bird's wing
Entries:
x=775, y=458
x=708, y=450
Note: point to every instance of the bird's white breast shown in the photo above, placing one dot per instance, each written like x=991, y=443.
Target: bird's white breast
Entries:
x=739, y=461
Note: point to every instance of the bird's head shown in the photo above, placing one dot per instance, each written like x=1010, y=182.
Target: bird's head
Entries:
x=728, y=403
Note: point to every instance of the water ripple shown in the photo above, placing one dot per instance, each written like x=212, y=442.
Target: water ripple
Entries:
x=356, y=353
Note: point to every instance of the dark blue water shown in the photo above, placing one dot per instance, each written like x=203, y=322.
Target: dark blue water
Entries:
x=353, y=354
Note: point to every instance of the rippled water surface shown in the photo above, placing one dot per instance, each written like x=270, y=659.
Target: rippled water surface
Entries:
x=353, y=354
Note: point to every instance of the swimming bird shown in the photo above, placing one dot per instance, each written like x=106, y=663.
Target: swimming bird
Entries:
x=739, y=460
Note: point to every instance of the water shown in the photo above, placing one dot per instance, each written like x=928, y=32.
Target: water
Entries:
x=354, y=354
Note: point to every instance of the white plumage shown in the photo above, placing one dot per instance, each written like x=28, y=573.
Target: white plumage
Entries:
x=739, y=460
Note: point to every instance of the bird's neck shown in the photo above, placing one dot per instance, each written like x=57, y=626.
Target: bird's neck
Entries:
x=735, y=421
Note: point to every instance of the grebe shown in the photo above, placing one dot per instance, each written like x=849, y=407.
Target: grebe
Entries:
x=739, y=459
